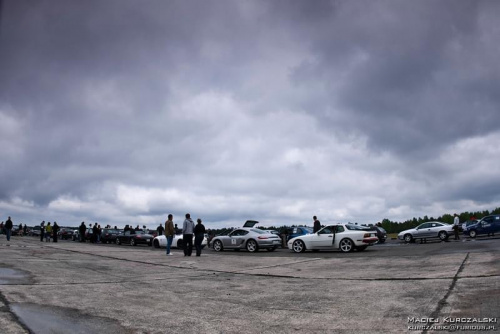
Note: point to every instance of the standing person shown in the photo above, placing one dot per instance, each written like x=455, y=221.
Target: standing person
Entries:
x=176, y=229
x=82, y=230
x=169, y=232
x=99, y=231
x=25, y=229
x=160, y=229
x=2, y=228
x=94, y=233
x=55, y=229
x=8, y=228
x=317, y=225
x=20, y=232
x=456, y=222
x=48, y=232
x=42, y=230
x=199, y=234
x=187, y=235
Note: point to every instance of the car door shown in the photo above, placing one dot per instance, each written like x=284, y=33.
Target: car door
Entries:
x=433, y=230
x=323, y=238
x=125, y=237
x=340, y=232
x=486, y=225
x=235, y=239
x=423, y=231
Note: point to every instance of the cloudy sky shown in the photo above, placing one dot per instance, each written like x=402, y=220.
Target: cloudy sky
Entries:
x=123, y=111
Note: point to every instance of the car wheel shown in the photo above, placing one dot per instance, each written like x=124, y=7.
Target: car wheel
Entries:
x=217, y=246
x=132, y=242
x=443, y=236
x=346, y=245
x=361, y=248
x=252, y=246
x=473, y=233
x=180, y=244
x=118, y=241
x=298, y=246
x=408, y=238
x=381, y=241
x=156, y=244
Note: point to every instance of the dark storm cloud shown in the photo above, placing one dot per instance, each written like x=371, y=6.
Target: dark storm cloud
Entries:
x=247, y=109
x=391, y=69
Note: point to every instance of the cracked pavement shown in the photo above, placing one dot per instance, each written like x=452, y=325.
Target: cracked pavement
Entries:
x=84, y=288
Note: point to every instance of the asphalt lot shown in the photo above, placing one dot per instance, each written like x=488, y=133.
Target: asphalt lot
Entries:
x=69, y=287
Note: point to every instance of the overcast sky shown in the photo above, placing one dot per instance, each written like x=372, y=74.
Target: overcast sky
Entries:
x=123, y=111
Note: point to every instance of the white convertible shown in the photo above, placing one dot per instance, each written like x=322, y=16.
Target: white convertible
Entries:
x=345, y=237
x=161, y=241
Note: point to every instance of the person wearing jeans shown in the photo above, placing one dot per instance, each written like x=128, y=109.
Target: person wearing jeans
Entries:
x=169, y=232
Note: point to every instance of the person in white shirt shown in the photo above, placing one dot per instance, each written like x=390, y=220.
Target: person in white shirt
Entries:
x=456, y=223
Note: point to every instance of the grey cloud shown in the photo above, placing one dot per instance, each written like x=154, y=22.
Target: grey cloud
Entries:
x=265, y=109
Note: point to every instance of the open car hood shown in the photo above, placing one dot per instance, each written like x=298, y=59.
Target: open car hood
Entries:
x=250, y=223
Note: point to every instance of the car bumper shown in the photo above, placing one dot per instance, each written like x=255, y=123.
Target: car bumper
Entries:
x=269, y=243
x=143, y=241
x=370, y=240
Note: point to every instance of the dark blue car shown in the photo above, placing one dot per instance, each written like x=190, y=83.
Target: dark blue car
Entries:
x=488, y=225
x=297, y=231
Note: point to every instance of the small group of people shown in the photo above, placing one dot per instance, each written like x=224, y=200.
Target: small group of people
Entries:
x=188, y=230
x=48, y=231
x=94, y=237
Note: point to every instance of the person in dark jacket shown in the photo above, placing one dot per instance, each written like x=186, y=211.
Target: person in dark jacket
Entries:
x=95, y=231
x=199, y=234
x=317, y=225
x=42, y=230
x=55, y=229
x=8, y=228
x=82, y=230
x=160, y=229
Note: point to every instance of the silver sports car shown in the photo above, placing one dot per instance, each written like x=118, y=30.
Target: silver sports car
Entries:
x=247, y=237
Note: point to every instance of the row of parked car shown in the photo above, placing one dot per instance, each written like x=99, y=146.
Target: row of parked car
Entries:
x=488, y=225
x=132, y=237
x=344, y=237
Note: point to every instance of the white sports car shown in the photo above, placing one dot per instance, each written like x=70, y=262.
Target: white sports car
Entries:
x=161, y=241
x=345, y=237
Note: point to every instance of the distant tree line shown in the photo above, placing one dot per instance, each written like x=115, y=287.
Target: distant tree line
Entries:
x=388, y=225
